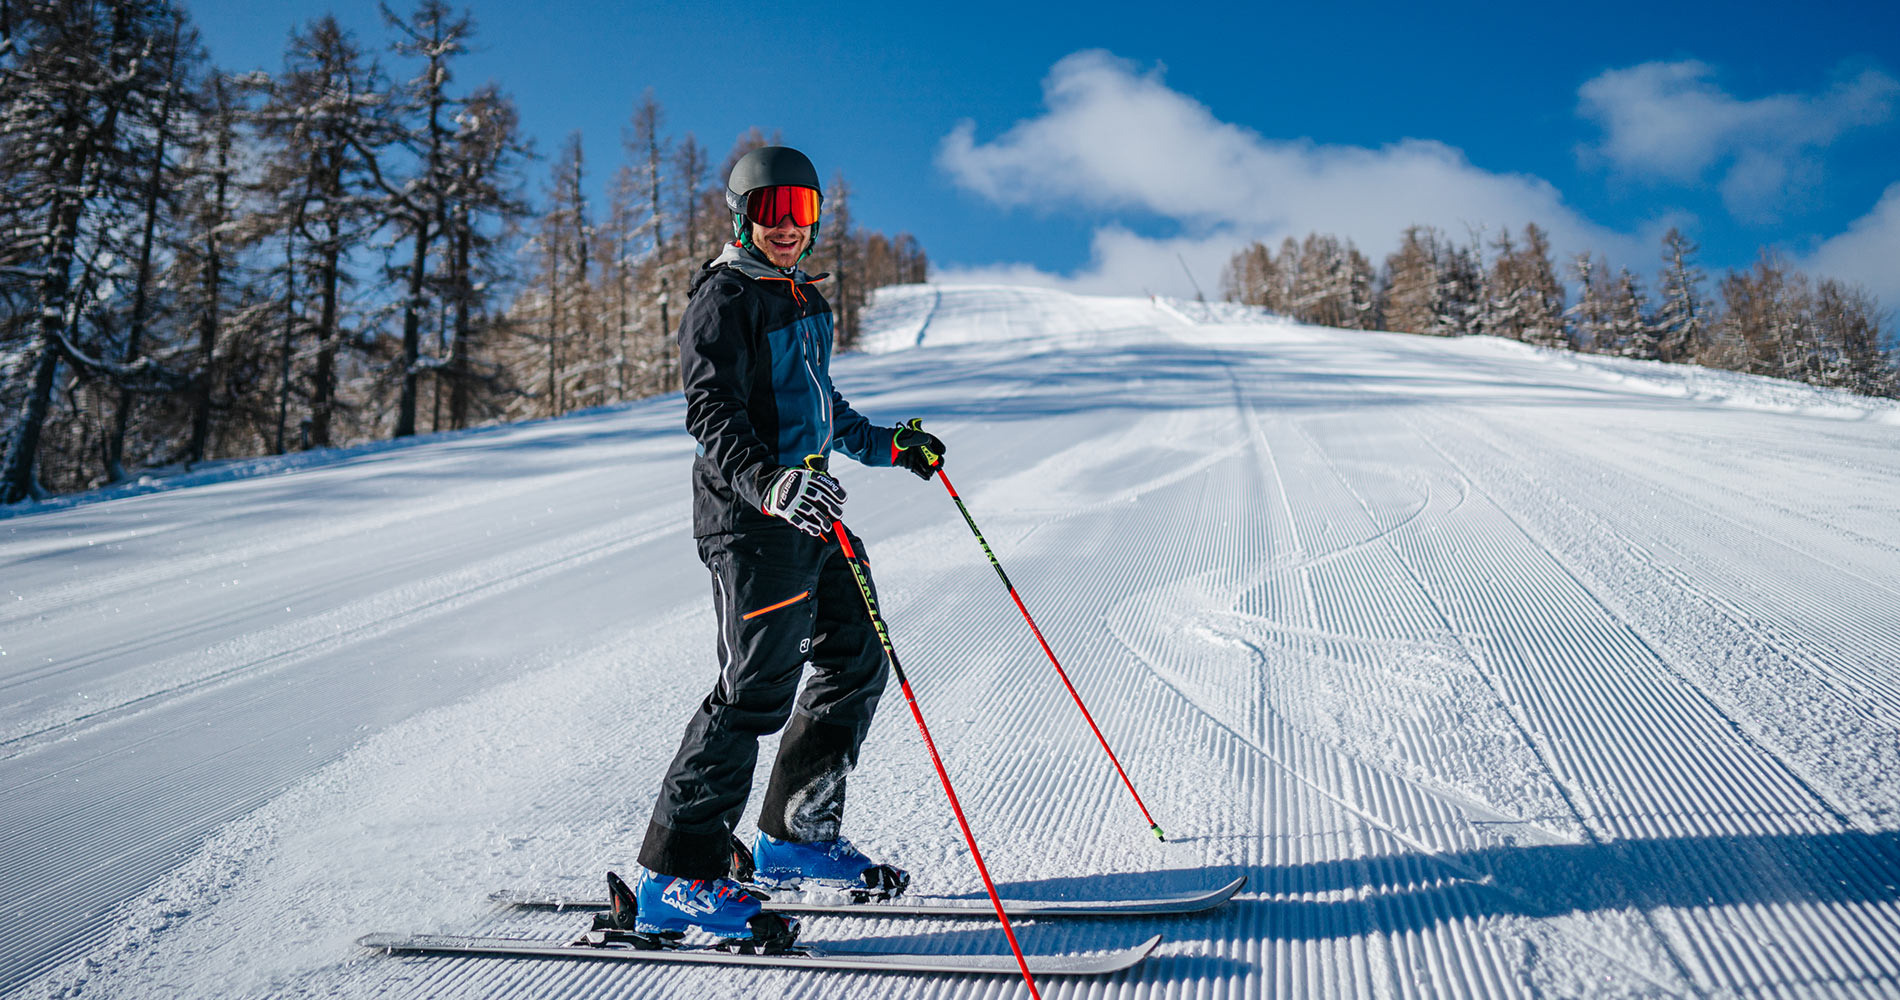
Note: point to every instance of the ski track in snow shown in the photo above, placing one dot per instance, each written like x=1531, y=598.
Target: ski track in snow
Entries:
x=1496, y=672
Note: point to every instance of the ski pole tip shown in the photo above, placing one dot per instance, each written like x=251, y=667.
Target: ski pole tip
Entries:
x=1158, y=834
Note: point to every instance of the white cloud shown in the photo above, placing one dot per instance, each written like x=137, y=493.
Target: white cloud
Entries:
x=1670, y=121
x=1868, y=253
x=1116, y=139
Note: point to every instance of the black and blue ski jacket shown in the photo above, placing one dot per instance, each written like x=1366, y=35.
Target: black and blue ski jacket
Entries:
x=755, y=363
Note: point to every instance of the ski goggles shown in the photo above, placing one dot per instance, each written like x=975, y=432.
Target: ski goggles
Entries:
x=768, y=206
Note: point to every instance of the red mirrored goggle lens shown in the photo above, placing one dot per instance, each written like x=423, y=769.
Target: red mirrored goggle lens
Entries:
x=769, y=206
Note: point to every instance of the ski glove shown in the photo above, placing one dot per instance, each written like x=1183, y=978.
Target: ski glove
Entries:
x=809, y=499
x=916, y=449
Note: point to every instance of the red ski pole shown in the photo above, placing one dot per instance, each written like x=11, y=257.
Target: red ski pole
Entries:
x=998, y=566
x=903, y=682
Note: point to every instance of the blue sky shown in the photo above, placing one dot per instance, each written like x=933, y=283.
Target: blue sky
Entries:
x=1097, y=146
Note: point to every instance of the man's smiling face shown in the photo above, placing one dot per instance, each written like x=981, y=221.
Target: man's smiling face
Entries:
x=782, y=244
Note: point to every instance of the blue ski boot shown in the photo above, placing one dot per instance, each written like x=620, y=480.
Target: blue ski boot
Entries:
x=832, y=864
x=667, y=907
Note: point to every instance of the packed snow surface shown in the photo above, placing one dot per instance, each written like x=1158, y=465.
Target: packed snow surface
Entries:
x=1495, y=671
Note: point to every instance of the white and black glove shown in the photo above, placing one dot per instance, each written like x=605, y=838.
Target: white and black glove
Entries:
x=810, y=500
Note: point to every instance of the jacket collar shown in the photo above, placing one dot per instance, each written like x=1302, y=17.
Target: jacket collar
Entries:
x=747, y=263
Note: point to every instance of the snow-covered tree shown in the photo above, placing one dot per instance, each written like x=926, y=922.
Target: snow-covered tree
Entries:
x=845, y=258
x=647, y=246
x=1463, y=284
x=420, y=119
x=324, y=121
x=1525, y=300
x=206, y=262
x=1632, y=332
x=1412, y=292
x=1332, y=284
x=563, y=243
x=1851, y=332
x=1286, y=278
x=690, y=185
x=1249, y=276
x=1590, y=316
x=1682, y=319
x=484, y=210
x=81, y=88
x=1767, y=326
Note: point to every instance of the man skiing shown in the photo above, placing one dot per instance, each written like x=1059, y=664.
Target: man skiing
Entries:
x=755, y=350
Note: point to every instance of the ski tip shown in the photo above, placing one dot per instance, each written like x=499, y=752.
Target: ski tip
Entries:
x=1147, y=947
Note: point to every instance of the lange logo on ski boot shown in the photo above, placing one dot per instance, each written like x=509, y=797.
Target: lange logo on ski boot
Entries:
x=719, y=907
x=664, y=909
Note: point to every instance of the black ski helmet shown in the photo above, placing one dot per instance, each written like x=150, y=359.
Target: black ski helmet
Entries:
x=768, y=166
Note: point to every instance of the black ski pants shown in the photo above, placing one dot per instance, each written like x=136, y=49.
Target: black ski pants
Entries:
x=785, y=601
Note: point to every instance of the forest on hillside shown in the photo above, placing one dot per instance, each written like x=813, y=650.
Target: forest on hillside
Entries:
x=1769, y=320
x=197, y=264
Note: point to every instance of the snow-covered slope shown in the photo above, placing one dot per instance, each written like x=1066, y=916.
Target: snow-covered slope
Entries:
x=1496, y=671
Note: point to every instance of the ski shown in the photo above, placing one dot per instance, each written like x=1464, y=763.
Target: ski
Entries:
x=928, y=906
x=613, y=947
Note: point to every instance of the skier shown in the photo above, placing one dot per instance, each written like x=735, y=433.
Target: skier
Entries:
x=755, y=350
